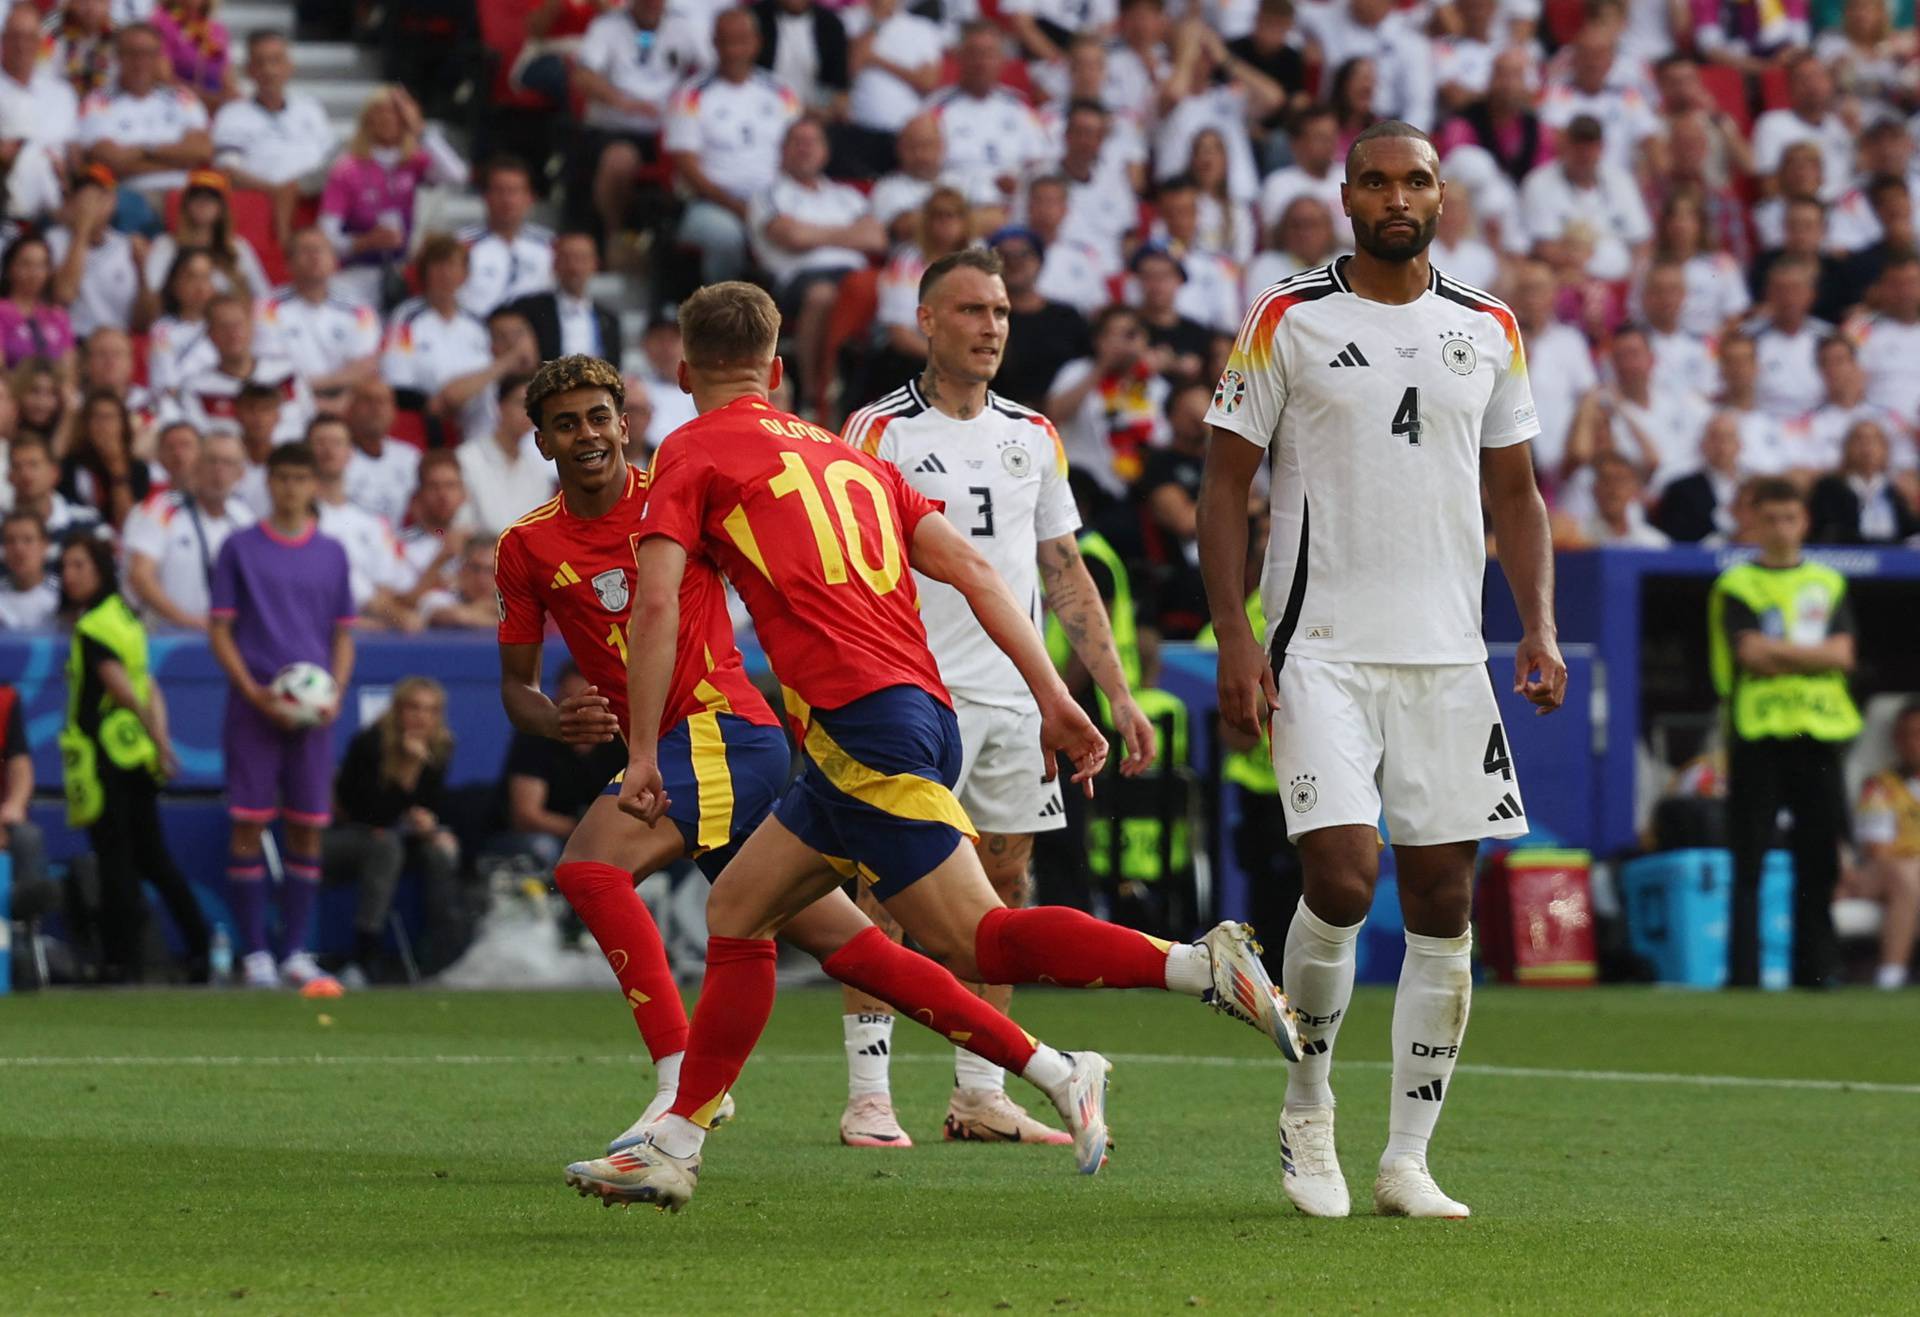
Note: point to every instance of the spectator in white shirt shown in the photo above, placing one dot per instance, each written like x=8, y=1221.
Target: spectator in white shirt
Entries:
x=1401, y=55
x=724, y=134
x=145, y=130
x=1463, y=61
x=1682, y=362
x=210, y=394
x=1600, y=85
x=1716, y=283
x=566, y=320
x=1701, y=503
x=1559, y=366
x=276, y=141
x=1302, y=240
x=29, y=593
x=1072, y=270
x=256, y=416
x=921, y=155
x=1619, y=517
x=516, y=351
x=507, y=258
x=1660, y=432
x=1111, y=407
x=1787, y=338
x=1211, y=293
x=629, y=62
x=1890, y=339
x=1808, y=116
x=436, y=355
x=1044, y=28
x=1102, y=206
x=1212, y=88
x=1800, y=177
x=1766, y=446
x=808, y=232
x=1580, y=189
x=98, y=269
x=35, y=476
x=383, y=471
x=437, y=530
x=984, y=125
x=177, y=346
x=895, y=59
x=376, y=574
x=668, y=406
x=171, y=543
x=1844, y=403
x=505, y=475
x=331, y=342
x=1316, y=170
x=39, y=116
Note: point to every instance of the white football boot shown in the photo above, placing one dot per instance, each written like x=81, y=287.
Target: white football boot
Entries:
x=869, y=1122
x=1243, y=990
x=1406, y=1188
x=1082, y=1103
x=658, y=1108
x=1309, y=1166
x=300, y=969
x=988, y=1115
x=257, y=970
x=640, y=1174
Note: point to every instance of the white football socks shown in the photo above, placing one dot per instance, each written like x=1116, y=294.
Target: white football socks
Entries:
x=677, y=1136
x=1047, y=1070
x=869, y=1046
x=974, y=1072
x=1429, y=1020
x=1189, y=969
x=666, y=1073
x=1317, y=975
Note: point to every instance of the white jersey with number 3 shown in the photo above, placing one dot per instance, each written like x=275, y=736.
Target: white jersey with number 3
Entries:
x=1002, y=476
x=1376, y=414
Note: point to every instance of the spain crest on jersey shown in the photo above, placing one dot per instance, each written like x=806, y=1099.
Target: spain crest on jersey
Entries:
x=611, y=588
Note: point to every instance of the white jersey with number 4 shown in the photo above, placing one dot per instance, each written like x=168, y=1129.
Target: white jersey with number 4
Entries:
x=1376, y=414
x=1003, y=478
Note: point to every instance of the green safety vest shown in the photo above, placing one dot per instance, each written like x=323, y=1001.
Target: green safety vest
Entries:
x=1140, y=837
x=120, y=735
x=1791, y=602
x=1120, y=618
x=1250, y=769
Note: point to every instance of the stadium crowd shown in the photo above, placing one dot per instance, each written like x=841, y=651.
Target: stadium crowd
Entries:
x=1700, y=211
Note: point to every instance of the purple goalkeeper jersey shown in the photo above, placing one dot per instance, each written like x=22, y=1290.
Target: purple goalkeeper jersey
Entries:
x=285, y=596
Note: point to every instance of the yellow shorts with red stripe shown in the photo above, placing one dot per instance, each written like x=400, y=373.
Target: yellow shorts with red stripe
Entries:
x=875, y=789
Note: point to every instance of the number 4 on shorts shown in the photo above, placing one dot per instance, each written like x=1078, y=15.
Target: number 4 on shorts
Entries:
x=1496, y=760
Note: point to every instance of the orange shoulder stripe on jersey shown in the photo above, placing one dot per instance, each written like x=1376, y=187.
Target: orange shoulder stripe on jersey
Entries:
x=541, y=513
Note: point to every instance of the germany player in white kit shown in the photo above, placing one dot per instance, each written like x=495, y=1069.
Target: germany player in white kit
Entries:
x=1001, y=473
x=1387, y=395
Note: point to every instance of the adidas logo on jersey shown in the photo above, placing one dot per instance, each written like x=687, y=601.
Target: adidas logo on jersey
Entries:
x=1051, y=809
x=1426, y=1092
x=1508, y=808
x=931, y=465
x=1350, y=356
x=565, y=577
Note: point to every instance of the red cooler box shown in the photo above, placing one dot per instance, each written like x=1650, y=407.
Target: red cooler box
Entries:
x=1535, y=916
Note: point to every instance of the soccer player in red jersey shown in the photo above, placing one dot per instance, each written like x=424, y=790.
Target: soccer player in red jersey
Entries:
x=721, y=750
x=817, y=538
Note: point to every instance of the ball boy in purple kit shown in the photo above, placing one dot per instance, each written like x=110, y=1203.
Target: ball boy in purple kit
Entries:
x=280, y=595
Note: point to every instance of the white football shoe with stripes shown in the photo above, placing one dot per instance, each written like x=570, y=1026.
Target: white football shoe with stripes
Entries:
x=1243, y=990
x=1309, y=1166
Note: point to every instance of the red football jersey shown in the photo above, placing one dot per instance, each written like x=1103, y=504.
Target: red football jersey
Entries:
x=581, y=571
x=814, y=536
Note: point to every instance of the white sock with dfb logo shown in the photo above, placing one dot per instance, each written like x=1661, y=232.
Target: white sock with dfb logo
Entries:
x=1316, y=973
x=1429, y=1020
x=869, y=1040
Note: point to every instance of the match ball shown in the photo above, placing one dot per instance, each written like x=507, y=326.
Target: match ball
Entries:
x=305, y=690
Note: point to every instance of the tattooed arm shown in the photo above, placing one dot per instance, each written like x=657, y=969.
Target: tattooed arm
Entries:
x=1076, y=604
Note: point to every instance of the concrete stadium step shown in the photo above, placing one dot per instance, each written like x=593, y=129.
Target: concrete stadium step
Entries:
x=255, y=15
x=315, y=61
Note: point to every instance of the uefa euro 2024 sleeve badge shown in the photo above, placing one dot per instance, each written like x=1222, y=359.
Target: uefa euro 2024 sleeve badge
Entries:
x=1230, y=392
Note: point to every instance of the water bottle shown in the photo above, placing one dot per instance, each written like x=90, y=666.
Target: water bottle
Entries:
x=220, y=956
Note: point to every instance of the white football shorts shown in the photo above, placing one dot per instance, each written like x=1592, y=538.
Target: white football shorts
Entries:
x=1425, y=742
x=1000, y=765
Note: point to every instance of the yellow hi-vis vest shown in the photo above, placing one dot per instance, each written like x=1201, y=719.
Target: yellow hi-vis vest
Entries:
x=120, y=734
x=1794, y=603
x=1140, y=836
x=1250, y=769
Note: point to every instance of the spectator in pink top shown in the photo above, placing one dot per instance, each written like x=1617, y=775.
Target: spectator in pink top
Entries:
x=196, y=48
x=366, y=210
x=31, y=323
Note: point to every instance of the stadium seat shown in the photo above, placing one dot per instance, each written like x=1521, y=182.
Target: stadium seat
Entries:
x=1773, y=89
x=1563, y=20
x=503, y=31
x=852, y=316
x=1728, y=87
x=411, y=427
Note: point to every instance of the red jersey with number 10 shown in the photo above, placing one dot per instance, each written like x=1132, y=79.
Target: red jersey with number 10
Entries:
x=581, y=570
x=814, y=536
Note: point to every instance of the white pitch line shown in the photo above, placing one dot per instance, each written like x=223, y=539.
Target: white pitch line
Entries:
x=822, y=1058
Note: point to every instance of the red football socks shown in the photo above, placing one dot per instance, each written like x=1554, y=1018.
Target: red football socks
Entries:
x=922, y=991
x=604, y=898
x=734, y=1004
x=1058, y=945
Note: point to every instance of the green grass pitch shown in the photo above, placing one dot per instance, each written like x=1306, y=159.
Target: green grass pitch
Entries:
x=401, y=1152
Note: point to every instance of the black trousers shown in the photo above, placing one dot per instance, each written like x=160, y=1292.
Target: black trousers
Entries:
x=1803, y=777
x=130, y=849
